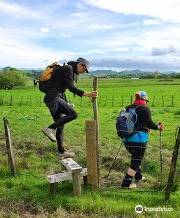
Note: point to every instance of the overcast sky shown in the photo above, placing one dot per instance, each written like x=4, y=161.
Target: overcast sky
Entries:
x=112, y=34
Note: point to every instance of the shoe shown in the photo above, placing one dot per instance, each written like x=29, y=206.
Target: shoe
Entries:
x=126, y=181
x=50, y=133
x=132, y=186
x=66, y=154
x=143, y=179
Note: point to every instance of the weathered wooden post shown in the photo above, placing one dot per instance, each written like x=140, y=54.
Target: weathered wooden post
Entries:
x=131, y=99
x=122, y=102
x=173, y=166
x=91, y=152
x=96, y=118
x=76, y=182
x=11, y=101
x=11, y=159
x=92, y=144
x=163, y=100
x=53, y=187
x=153, y=101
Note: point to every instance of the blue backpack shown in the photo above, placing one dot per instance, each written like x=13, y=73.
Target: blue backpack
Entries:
x=125, y=122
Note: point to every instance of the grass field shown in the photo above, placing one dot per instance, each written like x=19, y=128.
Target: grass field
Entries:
x=36, y=157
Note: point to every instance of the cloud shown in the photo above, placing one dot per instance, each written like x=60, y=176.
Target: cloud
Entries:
x=142, y=63
x=149, y=22
x=19, y=10
x=165, y=10
x=64, y=35
x=53, y=30
x=101, y=27
x=44, y=29
x=163, y=51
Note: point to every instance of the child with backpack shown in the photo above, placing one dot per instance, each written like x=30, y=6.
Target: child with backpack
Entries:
x=133, y=125
x=54, y=82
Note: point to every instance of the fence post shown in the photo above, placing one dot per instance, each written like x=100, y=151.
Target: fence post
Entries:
x=153, y=101
x=173, y=166
x=11, y=159
x=95, y=110
x=30, y=100
x=172, y=100
x=11, y=101
x=105, y=101
x=163, y=100
x=21, y=100
x=91, y=152
x=122, y=101
x=112, y=100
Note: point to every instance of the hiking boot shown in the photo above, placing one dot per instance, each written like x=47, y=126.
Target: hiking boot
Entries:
x=132, y=186
x=66, y=154
x=126, y=181
x=50, y=133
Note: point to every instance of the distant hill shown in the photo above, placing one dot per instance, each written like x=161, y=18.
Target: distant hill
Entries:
x=34, y=73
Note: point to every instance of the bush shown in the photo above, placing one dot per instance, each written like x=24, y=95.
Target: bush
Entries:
x=11, y=78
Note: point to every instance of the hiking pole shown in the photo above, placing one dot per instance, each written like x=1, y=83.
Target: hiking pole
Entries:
x=160, y=152
x=113, y=163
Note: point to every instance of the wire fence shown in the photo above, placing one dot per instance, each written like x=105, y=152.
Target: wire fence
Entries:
x=103, y=101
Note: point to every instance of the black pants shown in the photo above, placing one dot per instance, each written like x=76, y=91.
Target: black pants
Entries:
x=62, y=113
x=137, y=151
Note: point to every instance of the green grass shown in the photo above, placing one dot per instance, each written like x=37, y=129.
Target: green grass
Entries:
x=36, y=157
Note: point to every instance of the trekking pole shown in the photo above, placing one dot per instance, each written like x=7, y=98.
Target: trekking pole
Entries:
x=160, y=152
x=113, y=163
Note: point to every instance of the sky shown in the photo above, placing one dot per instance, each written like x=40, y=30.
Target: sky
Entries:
x=111, y=34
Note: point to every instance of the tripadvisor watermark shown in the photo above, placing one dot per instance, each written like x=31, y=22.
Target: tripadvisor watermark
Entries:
x=140, y=209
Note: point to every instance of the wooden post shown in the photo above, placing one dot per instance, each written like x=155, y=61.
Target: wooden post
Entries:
x=163, y=100
x=153, y=101
x=11, y=159
x=11, y=101
x=30, y=100
x=172, y=100
x=105, y=101
x=122, y=102
x=112, y=100
x=76, y=169
x=76, y=182
x=53, y=187
x=21, y=100
x=95, y=110
x=173, y=166
x=91, y=152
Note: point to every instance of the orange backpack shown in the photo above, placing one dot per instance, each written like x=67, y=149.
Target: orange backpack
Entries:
x=48, y=72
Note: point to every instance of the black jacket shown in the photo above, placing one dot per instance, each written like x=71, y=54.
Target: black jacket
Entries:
x=144, y=120
x=63, y=79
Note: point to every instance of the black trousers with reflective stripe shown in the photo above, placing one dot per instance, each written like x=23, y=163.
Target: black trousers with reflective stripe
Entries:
x=61, y=113
x=137, y=151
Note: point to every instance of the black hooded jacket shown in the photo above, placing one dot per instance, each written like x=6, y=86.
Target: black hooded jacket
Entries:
x=144, y=119
x=63, y=79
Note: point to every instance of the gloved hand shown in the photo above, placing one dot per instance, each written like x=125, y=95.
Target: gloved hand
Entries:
x=160, y=126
